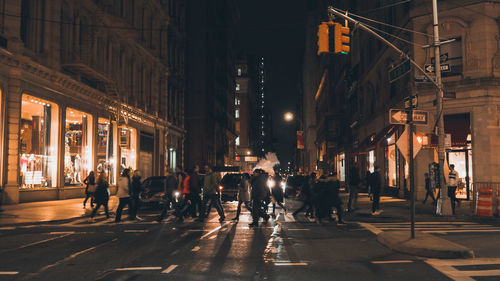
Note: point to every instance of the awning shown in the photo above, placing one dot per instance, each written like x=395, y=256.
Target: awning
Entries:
x=370, y=143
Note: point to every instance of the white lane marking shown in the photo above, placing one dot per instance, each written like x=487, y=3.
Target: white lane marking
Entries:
x=184, y=234
x=444, y=231
x=448, y=268
x=136, y=230
x=212, y=237
x=138, y=268
x=169, y=269
x=395, y=261
x=195, y=249
x=9, y=272
x=38, y=242
x=7, y=228
x=213, y=230
x=290, y=263
x=298, y=229
x=370, y=227
x=195, y=230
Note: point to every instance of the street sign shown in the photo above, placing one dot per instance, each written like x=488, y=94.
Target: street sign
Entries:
x=400, y=116
x=397, y=72
x=422, y=79
x=444, y=68
x=442, y=58
x=414, y=101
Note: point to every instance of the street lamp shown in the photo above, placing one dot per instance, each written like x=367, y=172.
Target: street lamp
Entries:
x=288, y=116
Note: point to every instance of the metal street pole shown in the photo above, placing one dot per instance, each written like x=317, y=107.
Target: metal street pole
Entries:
x=443, y=206
x=412, y=178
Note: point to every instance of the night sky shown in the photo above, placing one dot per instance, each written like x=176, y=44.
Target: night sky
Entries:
x=275, y=30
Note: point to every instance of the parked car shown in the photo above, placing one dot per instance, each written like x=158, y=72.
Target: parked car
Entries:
x=293, y=185
x=153, y=190
x=229, y=186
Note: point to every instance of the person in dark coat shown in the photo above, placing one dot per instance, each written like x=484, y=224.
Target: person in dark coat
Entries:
x=277, y=194
x=332, y=194
x=259, y=194
x=168, y=198
x=89, y=181
x=101, y=195
x=306, y=196
x=376, y=186
x=429, y=192
x=243, y=195
x=353, y=188
x=320, y=199
x=195, y=191
x=136, y=190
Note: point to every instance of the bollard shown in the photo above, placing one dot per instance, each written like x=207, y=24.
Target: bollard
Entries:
x=484, y=202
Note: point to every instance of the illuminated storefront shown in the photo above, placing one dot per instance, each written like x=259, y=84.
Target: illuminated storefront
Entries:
x=391, y=162
x=128, y=148
x=77, y=147
x=106, y=154
x=38, y=143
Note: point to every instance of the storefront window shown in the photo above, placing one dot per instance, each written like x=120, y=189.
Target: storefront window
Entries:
x=341, y=167
x=128, y=148
x=171, y=158
x=77, y=146
x=38, y=143
x=391, y=162
x=105, y=153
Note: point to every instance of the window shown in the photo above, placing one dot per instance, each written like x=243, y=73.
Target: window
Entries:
x=128, y=148
x=237, y=141
x=38, y=143
x=77, y=146
x=237, y=114
x=237, y=86
x=237, y=101
x=106, y=161
x=371, y=161
x=239, y=71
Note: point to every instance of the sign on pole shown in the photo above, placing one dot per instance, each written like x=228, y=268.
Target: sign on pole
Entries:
x=398, y=71
x=400, y=116
x=444, y=68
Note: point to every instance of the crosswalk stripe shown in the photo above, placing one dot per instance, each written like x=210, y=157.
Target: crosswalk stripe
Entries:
x=448, y=268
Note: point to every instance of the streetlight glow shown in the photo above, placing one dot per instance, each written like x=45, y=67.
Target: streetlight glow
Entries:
x=288, y=116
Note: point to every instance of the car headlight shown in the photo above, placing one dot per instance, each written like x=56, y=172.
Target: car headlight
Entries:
x=283, y=185
x=177, y=194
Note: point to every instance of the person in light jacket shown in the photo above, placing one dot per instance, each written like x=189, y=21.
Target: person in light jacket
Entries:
x=123, y=193
x=243, y=195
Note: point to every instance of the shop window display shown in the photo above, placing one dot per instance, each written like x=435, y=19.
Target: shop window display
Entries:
x=38, y=143
x=77, y=146
x=128, y=148
x=391, y=161
x=105, y=149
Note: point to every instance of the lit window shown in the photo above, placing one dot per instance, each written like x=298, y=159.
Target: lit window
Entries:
x=237, y=101
x=237, y=141
x=237, y=87
x=263, y=134
x=239, y=71
x=237, y=113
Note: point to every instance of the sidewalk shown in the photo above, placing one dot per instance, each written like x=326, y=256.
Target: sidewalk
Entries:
x=46, y=211
x=425, y=245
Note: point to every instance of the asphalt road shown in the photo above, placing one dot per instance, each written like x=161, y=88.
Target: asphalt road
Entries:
x=282, y=249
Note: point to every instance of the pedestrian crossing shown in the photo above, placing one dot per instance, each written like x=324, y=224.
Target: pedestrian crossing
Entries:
x=468, y=269
x=431, y=227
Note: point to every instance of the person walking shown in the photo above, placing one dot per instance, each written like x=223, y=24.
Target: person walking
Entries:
x=90, y=188
x=136, y=190
x=101, y=196
x=306, y=196
x=321, y=200
x=333, y=197
x=353, y=189
x=376, y=185
x=368, y=184
x=243, y=195
x=169, y=189
x=258, y=195
x=452, y=187
x=195, y=191
x=184, y=205
x=211, y=195
x=429, y=192
x=123, y=193
x=277, y=195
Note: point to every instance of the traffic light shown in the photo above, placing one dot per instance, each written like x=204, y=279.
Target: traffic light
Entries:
x=342, y=39
x=323, y=42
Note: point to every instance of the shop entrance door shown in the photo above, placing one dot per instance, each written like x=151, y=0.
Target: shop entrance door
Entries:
x=462, y=159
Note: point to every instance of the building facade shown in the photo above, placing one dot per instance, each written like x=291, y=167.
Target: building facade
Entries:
x=88, y=86
x=361, y=93
x=210, y=94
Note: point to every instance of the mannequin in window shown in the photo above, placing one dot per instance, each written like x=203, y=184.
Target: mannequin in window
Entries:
x=78, y=166
x=26, y=138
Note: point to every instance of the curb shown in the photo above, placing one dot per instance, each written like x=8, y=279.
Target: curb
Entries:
x=423, y=245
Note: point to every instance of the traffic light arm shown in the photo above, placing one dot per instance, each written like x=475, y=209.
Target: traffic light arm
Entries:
x=367, y=29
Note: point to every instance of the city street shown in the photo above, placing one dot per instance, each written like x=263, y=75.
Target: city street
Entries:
x=282, y=249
